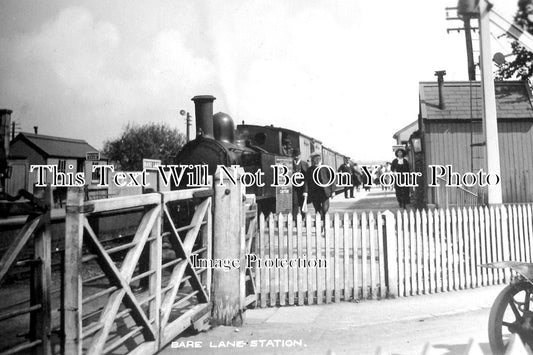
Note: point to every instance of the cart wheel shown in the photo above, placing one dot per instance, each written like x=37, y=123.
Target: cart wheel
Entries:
x=511, y=313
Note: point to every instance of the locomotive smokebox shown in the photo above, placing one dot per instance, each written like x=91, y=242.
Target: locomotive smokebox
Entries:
x=224, y=129
x=203, y=108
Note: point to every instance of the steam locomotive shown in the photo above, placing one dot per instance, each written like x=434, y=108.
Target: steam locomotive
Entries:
x=252, y=147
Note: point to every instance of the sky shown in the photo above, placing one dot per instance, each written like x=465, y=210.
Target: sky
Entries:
x=345, y=72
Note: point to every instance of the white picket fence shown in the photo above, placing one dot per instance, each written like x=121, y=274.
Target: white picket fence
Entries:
x=376, y=255
x=441, y=250
x=341, y=279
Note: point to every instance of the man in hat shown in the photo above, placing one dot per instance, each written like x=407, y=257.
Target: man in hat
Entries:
x=298, y=166
x=318, y=195
x=347, y=167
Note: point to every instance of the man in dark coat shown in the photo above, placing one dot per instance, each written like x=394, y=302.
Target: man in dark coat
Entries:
x=298, y=166
x=347, y=167
x=318, y=195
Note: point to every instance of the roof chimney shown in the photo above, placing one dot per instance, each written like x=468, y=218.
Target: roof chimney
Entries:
x=440, y=80
x=35, y=129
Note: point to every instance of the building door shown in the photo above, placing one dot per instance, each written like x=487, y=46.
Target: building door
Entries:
x=19, y=177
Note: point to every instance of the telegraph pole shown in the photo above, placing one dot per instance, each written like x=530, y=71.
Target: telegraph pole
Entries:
x=469, y=50
x=468, y=29
x=490, y=119
x=188, y=122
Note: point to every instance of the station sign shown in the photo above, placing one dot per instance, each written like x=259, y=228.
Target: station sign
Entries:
x=92, y=156
x=151, y=163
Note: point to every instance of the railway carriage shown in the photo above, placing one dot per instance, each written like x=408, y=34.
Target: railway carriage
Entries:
x=282, y=141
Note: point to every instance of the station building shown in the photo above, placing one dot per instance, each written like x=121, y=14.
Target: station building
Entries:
x=450, y=131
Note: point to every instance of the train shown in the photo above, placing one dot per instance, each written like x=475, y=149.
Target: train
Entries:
x=283, y=141
x=252, y=147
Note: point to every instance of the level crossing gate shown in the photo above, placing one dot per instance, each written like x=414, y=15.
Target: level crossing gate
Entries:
x=103, y=311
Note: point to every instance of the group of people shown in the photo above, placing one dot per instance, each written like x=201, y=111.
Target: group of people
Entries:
x=316, y=194
x=320, y=196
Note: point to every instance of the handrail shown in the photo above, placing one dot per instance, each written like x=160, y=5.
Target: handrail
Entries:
x=120, y=204
x=463, y=196
x=460, y=187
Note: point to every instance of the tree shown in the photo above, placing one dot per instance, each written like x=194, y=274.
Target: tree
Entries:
x=151, y=141
x=521, y=66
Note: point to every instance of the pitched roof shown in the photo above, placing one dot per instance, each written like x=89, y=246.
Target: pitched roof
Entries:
x=463, y=100
x=409, y=129
x=60, y=147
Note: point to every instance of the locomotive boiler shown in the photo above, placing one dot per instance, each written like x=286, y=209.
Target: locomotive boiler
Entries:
x=218, y=143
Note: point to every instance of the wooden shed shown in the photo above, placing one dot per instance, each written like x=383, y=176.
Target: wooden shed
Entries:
x=69, y=155
x=451, y=133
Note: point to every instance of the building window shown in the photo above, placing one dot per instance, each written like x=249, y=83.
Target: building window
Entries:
x=61, y=166
x=80, y=166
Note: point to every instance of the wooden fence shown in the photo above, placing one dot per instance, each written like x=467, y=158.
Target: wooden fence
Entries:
x=325, y=267
x=375, y=255
x=441, y=250
x=137, y=294
x=33, y=311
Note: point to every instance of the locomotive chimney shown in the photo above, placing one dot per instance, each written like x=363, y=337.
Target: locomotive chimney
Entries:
x=203, y=107
x=440, y=80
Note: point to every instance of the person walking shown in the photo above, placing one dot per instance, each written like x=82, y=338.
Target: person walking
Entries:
x=318, y=195
x=298, y=198
x=401, y=165
x=346, y=167
x=357, y=176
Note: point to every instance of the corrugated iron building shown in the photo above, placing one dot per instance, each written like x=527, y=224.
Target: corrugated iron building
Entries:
x=452, y=133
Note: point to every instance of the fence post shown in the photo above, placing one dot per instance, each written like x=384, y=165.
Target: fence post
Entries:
x=41, y=281
x=227, y=245
x=155, y=250
x=391, y=249
x=73, y=281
